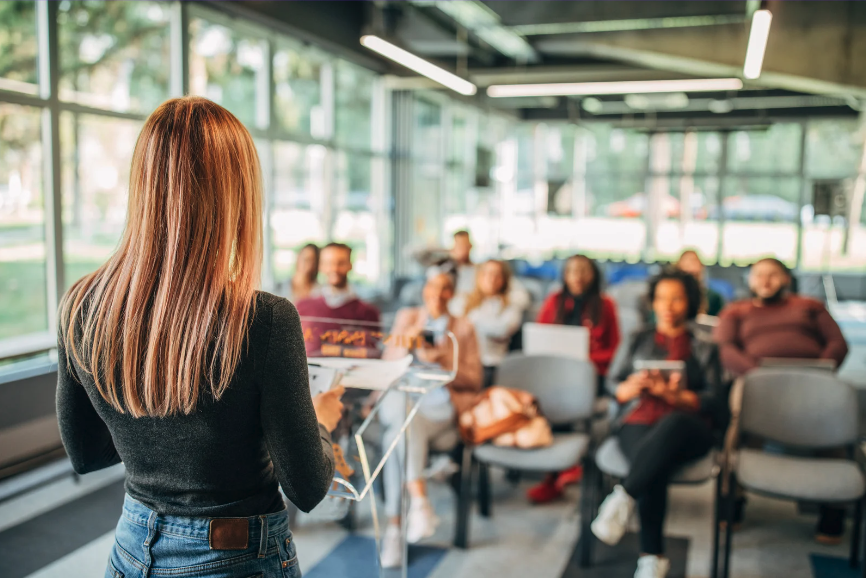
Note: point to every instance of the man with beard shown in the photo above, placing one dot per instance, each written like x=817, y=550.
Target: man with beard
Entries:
x=776, y=323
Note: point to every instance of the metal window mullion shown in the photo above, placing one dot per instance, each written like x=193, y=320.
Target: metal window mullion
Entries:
x=179, y=58
x=720, y=198
x=801, y=174
x=49, y=82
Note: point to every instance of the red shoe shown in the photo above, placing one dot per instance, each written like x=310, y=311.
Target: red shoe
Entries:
x=546, y=491
x=569, y=477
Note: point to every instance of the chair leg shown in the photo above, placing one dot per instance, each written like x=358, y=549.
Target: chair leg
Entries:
x=464, y=500
x=587, y=506
x=729, y=528
x=854, y=557
x=485, y=500
x=513, y=476
x=717, y=523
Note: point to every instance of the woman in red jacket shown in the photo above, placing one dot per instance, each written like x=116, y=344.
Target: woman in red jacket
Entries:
x=580, y=303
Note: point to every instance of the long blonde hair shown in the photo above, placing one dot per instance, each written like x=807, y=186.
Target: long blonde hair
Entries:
x=477, y=297
x=168, y=314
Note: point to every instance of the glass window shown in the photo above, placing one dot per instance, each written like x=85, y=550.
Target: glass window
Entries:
x=23, y=300
x=776, y=149
x=114, y=55
x=761, y=216
x=355, y=221
x=615, y=226
x=18, y=46
x=97, y=152
x=227, y=67
x=298, y=91
x=833, y=148
x=427, y=131
x=353, y=105
x=613, y=150
x=297, y=215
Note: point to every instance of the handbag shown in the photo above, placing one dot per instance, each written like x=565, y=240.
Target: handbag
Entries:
x=506, y=417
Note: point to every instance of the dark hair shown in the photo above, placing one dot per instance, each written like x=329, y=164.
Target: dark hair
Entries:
x=591, y=295
x=689, y=283
x=341, y=246
x=782, y=267
x=461, y=233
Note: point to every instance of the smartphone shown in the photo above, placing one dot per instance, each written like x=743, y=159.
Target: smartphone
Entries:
x=429, y=338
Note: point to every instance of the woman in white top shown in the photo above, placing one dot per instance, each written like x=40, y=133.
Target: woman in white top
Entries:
x=494, y=313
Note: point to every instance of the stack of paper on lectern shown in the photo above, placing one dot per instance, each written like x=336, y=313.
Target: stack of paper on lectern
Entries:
x=365, y=373
x=323, y=379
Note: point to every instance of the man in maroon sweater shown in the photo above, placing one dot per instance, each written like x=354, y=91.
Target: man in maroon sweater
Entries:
x=337, y=300
x=776, y=324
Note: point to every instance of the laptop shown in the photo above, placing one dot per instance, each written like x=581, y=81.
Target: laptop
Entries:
x=562, y=340
x=799, y=363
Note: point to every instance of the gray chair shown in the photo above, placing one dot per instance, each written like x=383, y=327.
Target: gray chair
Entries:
x=629, y=294
x=565, y=390
x=798, y=409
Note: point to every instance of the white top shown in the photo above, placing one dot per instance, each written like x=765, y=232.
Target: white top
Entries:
x=494, y=327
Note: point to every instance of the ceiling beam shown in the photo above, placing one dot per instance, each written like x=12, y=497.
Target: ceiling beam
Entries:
x=630, y=24
x=556, y=74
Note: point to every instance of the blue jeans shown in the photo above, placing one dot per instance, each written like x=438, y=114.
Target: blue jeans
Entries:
x=148, y=544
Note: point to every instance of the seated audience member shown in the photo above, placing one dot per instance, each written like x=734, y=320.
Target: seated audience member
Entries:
x=336, y=300
x=690, y=263
x=467, y=273
x=493, y=316
x=580, y=303
x=304, y=282
x=437, y=414
x=778, y=324
x=663, y=423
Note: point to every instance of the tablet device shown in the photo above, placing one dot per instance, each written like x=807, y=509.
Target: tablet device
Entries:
x=665, y=368
x=562, y=340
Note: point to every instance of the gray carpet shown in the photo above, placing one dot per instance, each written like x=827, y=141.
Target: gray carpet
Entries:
x=620, y=561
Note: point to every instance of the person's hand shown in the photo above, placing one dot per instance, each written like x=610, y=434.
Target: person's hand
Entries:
x=632, y=387
x=329, y=408
x=658, y=385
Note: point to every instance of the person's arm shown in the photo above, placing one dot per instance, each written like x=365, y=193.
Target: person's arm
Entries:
x=835, y=348
x=469, y=369
x=518, y=296
x=610, y=337
x=499, y=326
x=299, y=446
x=732, y=355
x=85, y=436
x=547, y=313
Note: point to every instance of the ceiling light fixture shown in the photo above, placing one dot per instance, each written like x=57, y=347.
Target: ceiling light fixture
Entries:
x=761, y=20
x=624, y=87
x=419, y=65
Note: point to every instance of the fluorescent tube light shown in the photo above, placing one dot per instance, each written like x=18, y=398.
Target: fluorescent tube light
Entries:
x=419, y=65
x=624, y=87
x=761, y=20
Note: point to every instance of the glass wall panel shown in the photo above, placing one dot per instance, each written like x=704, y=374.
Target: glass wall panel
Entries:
x=355, y=215
x=114, y=55
x=298, y=208
x=298, y=90
x=18, y=46
x=761, y=217
x=834, y=148
x=775, y=150
x=23, y=300
x=97, y=152
x=353, y=105
x=226, y=66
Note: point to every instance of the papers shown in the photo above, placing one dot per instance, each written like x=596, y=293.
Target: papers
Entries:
x=365, y=373
x=323, y=379
x=562, y=340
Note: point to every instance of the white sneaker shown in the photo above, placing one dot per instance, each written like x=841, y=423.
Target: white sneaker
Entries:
x=652, y=567
x=610, y=524
x=392, y=547
x=421, y=521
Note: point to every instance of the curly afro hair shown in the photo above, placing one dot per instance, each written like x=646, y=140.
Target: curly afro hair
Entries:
x=694, y=293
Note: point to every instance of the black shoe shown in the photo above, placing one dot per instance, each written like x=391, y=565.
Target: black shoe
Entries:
x=831, y=525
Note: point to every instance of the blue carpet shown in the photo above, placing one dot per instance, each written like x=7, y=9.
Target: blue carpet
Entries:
x=355, y=557
x=832, y=567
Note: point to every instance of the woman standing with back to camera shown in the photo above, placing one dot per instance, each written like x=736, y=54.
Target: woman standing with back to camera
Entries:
x=172, y=362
